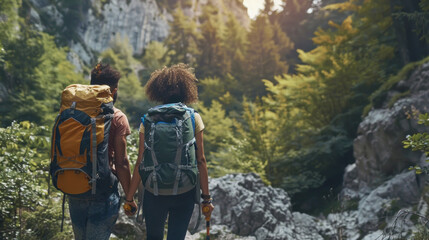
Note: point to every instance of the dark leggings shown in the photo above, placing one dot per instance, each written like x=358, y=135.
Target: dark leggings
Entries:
x=179, y=210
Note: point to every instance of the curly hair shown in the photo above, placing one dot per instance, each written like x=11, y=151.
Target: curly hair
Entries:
x=173, y=84
x=103, y=74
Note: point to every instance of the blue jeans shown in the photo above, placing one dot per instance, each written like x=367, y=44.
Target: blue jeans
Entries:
x=94, y=219
x=179, y=209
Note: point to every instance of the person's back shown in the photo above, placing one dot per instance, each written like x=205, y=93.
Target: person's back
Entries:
x=94, y=217
x=169, y=134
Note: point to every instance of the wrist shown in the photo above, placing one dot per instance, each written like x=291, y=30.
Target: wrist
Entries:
x=205, y=196
x=126, y=200
x=207, y=201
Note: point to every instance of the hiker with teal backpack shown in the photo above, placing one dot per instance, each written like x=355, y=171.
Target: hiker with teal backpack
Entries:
x=88, y=154
x=171, y=162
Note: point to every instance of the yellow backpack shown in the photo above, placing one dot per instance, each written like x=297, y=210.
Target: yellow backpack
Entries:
x=79, y=151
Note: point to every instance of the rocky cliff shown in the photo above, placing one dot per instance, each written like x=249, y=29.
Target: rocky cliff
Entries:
x=98, y=22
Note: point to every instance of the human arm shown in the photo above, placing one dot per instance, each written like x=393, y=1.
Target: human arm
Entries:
x=202, y=168
x=135, y=181
x=122, y=165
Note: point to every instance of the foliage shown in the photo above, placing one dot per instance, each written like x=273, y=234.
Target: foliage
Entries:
x=249, y=147
x=217, y=128
x=9, y=13
x=211, y=57
x=155, y=57
x=419, y=142
x=23, y=173
x=73, y=15
x=182, y=40
x=262, y=57
x=422, y=233
x=133, y=147
x=44, y=223
x=34, y=74
x=131, y=97
x=234, y=42
x=378, y=96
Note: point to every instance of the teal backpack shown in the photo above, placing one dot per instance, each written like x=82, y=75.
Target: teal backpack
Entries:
x=169, y=165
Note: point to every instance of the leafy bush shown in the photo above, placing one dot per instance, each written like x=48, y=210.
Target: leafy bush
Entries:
x=23, y=177
x=419, y=142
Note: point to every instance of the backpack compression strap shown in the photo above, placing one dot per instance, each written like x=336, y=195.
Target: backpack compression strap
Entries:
x=94, y=155
x=178, y=158
x=155, y=161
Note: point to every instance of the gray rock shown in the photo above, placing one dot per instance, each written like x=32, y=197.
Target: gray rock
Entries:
x=374, y=235
x=378, y=148
x=140, y=21
x=250, y=208
x=217, y=232
x=344, y=224
x=387, y=199
x=350, y=189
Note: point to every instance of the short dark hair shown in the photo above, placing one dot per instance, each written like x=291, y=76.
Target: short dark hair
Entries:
x=173, y=84
x=103, y=74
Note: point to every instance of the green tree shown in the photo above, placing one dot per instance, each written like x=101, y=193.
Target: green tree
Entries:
x=34, y=73
x=285, y=45
x=252, y=146
x=234, y=42
x=182, y=40
x=131, y=97
x=218, y=126
x=9, y=12
x=263, y=58
x=211, y=58
x=155, y=57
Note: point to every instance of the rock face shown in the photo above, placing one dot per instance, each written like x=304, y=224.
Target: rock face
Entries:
x=141, y=21
x=401, y=191
x=378, y=148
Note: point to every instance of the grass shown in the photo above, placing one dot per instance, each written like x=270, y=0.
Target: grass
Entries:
x=379, y=96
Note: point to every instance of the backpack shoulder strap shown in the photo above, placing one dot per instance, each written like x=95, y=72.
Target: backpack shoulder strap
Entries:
x=192, y=112
x=143, y=118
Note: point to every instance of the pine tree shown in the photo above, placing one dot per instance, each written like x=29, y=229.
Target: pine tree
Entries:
x=155, y=57
x=263, y=57
x=182, y=40
x=211, y=60
x=285, y=45
x=234, y=43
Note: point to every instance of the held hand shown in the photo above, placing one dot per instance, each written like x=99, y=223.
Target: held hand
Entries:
x=130, y=208
x=207, y=209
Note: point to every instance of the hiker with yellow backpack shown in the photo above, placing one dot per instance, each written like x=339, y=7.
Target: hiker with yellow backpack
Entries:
x=89, y=155
x=171, y=162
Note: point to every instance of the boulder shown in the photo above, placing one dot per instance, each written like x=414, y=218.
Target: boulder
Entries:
x=386, y=200
x=378, y=147
x=250, y=208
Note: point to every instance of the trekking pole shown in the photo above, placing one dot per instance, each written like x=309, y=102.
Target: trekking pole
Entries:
x=206, y=209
